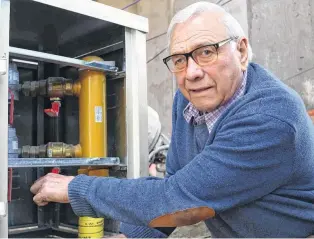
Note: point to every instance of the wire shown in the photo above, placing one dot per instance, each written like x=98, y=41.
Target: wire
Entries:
x=10, y=184
x=11, y=108
x=219, y=1
x=226, y=3
x=157, y=36
x=131, y=4
x=161, y=148
x=11, y=123
x=154, y=57
x=301, y=73
x=166, y=138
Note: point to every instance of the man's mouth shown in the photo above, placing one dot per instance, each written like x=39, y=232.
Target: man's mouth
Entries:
x=198, y=90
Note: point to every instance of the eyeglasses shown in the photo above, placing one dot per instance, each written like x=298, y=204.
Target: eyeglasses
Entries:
x=204, y=55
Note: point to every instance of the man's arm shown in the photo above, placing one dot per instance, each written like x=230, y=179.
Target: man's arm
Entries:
x=243, y=164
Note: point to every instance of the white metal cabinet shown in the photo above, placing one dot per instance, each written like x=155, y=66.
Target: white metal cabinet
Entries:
x=135, y=27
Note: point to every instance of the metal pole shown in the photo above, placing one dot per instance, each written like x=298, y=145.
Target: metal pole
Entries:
x=136, y=104
x=4, y=64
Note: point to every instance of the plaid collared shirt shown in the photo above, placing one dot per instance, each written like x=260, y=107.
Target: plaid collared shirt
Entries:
x=193, y=115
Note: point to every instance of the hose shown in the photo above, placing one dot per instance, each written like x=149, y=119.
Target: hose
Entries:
x=161, y=148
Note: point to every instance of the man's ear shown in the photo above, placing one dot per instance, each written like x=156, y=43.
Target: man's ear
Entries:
x=243, y=48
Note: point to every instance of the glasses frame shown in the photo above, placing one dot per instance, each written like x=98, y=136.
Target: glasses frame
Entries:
x=190, y=54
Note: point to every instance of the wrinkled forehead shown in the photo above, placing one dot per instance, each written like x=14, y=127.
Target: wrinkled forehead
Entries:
x=198, y=30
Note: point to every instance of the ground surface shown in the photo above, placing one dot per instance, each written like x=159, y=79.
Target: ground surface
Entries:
x=195, y=231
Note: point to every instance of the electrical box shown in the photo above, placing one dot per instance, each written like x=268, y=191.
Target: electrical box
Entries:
x=51, y=53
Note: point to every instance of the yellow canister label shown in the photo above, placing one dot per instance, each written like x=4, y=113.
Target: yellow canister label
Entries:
x=91, y=227
x=88, y=230
x=91, y=222
x=92, y=235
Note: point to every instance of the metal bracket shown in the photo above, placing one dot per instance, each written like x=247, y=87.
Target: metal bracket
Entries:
x=3, y=209
x=61, y=162
x=3, y=65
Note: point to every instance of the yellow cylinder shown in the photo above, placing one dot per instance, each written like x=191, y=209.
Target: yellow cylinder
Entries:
x=99, y=234
x=92, y=112
x=93, y=134
x=91, y=227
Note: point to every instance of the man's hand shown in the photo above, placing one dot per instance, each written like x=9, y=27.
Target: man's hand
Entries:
x=51, y=188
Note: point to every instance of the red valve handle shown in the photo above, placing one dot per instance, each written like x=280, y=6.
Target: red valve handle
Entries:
x=54, y=110
x=56, y=170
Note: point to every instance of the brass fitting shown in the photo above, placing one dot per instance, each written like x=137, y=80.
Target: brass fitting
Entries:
x=60, y=150
x=51, y=150
x=51, y=87
x=59, y=86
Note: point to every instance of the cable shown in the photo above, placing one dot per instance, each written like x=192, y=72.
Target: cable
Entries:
x=219, y=1
x=157, y=36
x=301, y=73
x=10, y=182
x=11, y=107
x=11, y=123
x=135, y=2
x=153, y=58
x=161, y=148
x=166, y=138
x=226, y=3
x=131, y=4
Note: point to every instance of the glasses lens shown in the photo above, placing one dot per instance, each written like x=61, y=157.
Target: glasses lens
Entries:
x=205, y=55
x=177, y=63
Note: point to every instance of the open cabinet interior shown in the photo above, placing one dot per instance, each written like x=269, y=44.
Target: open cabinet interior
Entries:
x=56, y=58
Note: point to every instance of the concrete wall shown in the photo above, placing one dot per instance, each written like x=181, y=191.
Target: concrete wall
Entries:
x=282, y=36
x=160, y=84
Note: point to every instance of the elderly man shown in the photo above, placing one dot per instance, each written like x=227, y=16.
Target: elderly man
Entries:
x=242, y=151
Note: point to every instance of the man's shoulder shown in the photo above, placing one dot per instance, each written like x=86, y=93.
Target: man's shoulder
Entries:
x=267, y=94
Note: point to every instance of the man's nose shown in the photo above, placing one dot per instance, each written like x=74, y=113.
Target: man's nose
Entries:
x=193, y=70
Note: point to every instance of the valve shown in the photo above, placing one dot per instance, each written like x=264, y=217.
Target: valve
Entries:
x=56, y=170
x=55, y=108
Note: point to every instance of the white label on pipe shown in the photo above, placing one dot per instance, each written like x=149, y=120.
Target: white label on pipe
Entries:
x=98, y=114
x=14, y=145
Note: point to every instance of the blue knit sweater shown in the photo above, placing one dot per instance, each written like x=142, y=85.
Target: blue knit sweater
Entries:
x=255, y=169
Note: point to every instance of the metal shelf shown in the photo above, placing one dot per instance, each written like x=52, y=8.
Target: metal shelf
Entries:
x=62, y=60
x=61, y=162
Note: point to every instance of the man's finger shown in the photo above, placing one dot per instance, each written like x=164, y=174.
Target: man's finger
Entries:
x=37, y=185
x=39, y=182
x=40, y=199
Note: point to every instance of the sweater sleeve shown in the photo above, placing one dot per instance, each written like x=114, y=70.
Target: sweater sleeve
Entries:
x=133, y=231
x=251, y=156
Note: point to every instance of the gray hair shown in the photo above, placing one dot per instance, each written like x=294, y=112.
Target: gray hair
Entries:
x=233, y=27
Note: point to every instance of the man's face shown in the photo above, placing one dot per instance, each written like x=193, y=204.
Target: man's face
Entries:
x=212, y=85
